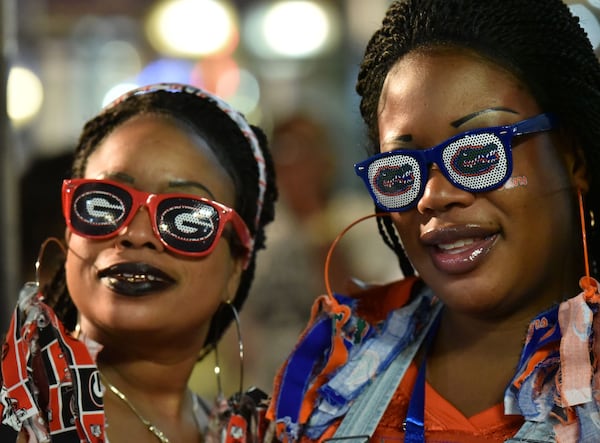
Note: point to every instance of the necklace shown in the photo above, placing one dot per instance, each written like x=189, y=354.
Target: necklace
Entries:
x=152, y=428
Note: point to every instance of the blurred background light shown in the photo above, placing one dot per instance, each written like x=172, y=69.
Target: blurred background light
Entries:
x=166, y=70
x=192, y=28
x=25, y=95
x=208, y=72
x=247, y=95
x=116, y=91
x=123, y=58
x=291, y=29
x=594, y=3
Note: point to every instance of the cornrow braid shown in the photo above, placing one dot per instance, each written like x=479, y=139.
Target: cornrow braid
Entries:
x=232, y=149
x=539, y=41
x=390, y=238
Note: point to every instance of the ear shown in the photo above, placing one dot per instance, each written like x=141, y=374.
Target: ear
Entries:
x=574, y=156
x=578, y=170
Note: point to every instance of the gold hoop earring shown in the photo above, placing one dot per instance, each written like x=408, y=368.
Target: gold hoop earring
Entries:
x=242, y=417
x=236, y=319
x=42, y=277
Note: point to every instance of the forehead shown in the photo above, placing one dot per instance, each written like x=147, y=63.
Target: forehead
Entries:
x=156, y=150
x=449, y=81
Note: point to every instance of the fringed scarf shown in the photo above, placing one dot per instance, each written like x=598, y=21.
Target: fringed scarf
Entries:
x=337, y=357
x=339, y=353
x=557, y=379
x=50, y=383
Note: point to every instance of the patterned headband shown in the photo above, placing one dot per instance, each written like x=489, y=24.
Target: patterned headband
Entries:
x=234, y=115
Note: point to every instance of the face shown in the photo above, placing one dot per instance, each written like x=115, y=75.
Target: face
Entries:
x=131, y=283
x=511, y=251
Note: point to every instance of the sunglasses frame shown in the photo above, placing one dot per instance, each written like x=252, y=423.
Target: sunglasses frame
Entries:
x=151, y=201
x=426, y=157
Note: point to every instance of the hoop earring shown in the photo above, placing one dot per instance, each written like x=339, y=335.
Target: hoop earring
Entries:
x=39, y=276
x=587, y=283
x=236, y=318
x=242, y=417
x=594, y=236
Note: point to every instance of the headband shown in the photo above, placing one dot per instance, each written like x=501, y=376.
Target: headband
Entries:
x=233, y=114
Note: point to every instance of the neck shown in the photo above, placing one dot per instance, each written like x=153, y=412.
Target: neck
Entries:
x=472, y=361
x=148, y=401
x=164, y=386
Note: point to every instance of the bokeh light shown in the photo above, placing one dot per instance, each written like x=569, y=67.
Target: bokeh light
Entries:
x=25, y=95
x=166, y=70
x=116, y=91
x=192, y=28
x=291, y=29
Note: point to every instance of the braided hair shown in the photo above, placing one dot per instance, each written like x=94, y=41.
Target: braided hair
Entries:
x=232, y=148
x=539, y=41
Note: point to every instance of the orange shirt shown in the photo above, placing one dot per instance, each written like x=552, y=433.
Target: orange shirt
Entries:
x=443, y=422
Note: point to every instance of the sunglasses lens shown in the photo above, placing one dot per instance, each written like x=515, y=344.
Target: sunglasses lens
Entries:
x=187, y=224
x=395, y=180
x=99, y=209
x=476, y=162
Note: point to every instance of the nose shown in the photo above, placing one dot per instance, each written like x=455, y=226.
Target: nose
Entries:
x=440, y=194
x=139, y=233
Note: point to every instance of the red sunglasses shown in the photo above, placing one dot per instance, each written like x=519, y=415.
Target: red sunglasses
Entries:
x=185, y=224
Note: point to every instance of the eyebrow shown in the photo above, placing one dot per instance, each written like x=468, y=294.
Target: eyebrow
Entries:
x=121, y=176
x=190, y=184
x=461, y=121
x=466, y=118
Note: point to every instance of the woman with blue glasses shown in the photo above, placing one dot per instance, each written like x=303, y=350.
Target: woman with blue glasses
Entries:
x=483, y=121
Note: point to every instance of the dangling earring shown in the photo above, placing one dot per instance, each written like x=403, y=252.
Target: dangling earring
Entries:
x=241, y=418
x=236, y=319
x=587, y=283
x=41, y=278
x=595, y=236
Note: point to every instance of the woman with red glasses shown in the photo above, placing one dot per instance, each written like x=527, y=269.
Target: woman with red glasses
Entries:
x=170, y=194
x=483, y=121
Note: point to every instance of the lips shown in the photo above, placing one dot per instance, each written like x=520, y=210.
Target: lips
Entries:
x=135, y=279
x=458, y=250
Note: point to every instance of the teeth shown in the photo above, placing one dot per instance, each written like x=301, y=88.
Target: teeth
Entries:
x=134, y=278
x=456, y=244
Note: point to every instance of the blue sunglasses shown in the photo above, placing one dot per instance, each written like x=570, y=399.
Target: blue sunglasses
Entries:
x=476, y=161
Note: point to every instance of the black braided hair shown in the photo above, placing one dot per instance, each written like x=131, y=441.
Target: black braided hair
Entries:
x=232, y=149
x=539, y=41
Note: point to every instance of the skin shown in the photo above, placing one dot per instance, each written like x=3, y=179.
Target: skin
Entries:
x=495, y=259
x=151, y=341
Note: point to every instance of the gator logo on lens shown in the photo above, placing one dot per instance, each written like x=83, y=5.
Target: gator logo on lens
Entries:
x=394, y=180
x=475, y=160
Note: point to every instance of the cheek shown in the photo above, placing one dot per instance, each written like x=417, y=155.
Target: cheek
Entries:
x=80, y=264
x=78, y=247
x=407, y=227
x=75, y=276
x=540, y=169
x=213, y=277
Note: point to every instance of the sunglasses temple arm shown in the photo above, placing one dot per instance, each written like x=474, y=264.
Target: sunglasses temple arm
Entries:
x=543, y=122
